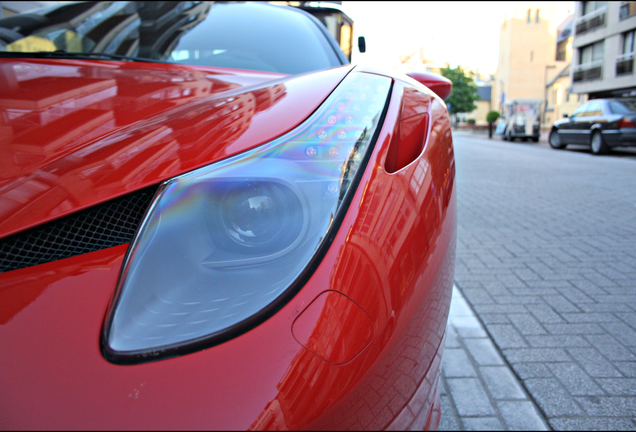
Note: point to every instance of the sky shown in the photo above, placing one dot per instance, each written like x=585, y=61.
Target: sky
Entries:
x=460, y=33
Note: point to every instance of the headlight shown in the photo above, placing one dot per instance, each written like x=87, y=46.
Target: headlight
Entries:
x=224, y=247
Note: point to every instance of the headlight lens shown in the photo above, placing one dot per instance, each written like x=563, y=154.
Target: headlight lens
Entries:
x=258, y=217
x=225, y=246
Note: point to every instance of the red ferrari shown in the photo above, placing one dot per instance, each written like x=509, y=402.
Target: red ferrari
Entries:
x=210, y=220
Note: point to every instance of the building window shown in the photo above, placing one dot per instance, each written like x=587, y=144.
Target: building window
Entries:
x=562, y=50
x=628, y=8
x=531, y=55
x=593, y=16
x=628, y=42
x=536, y=18
x=529, y=14
x=625, y=61
x=592, y=53
x=591, y=6
x=590, y=64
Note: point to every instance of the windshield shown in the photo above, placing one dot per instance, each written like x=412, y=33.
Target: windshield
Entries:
x=526, y=107
x=522, y=108
x=252, y=36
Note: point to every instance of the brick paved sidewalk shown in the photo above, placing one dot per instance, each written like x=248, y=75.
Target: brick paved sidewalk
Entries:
x=547, y=259
x=480, y=391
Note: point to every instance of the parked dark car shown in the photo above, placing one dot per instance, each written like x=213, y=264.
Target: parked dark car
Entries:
x=600, y=123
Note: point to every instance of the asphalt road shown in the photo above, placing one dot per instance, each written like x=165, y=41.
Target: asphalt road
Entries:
x=546, y=259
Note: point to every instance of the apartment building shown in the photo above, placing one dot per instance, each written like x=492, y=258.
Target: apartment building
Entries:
x=603, y=49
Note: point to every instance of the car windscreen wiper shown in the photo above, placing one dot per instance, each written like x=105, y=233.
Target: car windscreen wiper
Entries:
x=61, y=54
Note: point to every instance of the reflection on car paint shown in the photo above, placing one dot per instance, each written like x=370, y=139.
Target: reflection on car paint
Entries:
x=110, y=120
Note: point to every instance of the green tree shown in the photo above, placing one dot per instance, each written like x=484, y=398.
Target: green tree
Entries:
x=464, y=94
x=491, y=118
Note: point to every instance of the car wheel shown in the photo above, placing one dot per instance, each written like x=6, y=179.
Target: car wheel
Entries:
x=555, y=140
x=598, y=145
x=510, y=137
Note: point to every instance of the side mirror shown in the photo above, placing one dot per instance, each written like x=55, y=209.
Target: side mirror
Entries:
x=565, y=116
x=440, y=85
x=362, y=44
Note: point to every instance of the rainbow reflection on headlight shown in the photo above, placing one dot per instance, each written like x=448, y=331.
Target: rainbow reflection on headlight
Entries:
x=223, y=246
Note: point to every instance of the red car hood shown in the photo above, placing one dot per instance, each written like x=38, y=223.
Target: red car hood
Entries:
x=74, y=133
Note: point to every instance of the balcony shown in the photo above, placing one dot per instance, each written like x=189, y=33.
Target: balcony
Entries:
x=591, y=21
x=625, y=64
x=627, y=9
x=588, y=71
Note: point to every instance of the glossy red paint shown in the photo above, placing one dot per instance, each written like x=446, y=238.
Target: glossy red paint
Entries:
x=440, y=85
x=411, y=131
x=400, y=278
x=333, y=328
x=76, y=133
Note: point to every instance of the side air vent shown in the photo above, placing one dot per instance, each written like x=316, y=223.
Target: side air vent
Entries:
x=109, y=224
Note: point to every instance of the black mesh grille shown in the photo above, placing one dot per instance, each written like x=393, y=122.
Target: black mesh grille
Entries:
x=109, y=224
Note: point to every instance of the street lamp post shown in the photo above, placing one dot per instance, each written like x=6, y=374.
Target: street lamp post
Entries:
x=545, y=89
